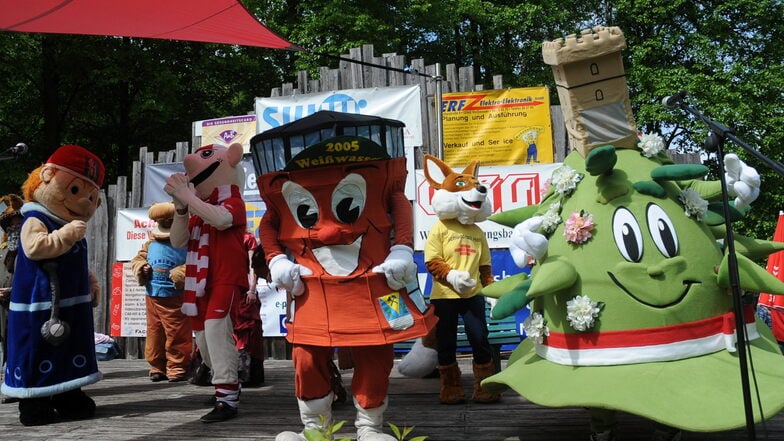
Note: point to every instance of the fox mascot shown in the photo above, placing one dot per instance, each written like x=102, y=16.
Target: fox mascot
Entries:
x=458, y=257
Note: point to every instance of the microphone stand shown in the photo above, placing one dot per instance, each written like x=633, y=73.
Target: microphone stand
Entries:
x=715, y=141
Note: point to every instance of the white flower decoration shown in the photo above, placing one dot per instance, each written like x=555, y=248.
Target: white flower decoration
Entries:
x=581, y=312
x=551, y=218
x=651, y=144
x=565, y=179
x=694, y=204
x=535, y=327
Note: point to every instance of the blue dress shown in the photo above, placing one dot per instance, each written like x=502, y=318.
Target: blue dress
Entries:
x=36, y=368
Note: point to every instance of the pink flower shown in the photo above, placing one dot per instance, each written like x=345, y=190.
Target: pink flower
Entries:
x=578, y=227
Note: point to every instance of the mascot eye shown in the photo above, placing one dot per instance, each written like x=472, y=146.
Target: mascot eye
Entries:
x=301, y=203
x=628, y=237
x=75, y=190
x=662, y=231
x=461, y=183
x=348, y=199
x=207, y=153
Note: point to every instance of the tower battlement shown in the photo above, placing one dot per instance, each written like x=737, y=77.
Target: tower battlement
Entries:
x=591, y=43
x=592, y=89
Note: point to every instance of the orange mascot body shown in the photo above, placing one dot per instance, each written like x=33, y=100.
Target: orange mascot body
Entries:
x=349, y=228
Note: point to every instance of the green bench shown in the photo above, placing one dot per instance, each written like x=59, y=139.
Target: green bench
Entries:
x=501, y=333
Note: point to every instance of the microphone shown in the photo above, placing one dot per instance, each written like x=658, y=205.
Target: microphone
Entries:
x=672, y=101
x=19, y=149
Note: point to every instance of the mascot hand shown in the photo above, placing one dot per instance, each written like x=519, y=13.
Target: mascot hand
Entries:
x=178, y=187
x=461, y=281
x=526, y=242
x=189, y=309
x=743, y=182
x=288, y=274
x=74, y=230
x=398, y=267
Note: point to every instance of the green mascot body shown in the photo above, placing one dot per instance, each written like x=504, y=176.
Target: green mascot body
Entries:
x=630, y=306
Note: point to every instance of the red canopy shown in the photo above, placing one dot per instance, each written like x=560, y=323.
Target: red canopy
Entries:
x=775, y=267
x=211, y=21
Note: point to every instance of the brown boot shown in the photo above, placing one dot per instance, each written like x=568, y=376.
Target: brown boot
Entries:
x=482, y=395
x=451, y=385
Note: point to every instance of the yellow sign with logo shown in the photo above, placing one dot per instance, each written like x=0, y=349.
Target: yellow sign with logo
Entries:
x=498, y=127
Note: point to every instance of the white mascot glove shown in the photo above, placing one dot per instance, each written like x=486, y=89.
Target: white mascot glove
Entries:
x=399, y=267
x=189, y=309
x=287, y=274
x=526, y=242
x=743, y=182
x=461, y=281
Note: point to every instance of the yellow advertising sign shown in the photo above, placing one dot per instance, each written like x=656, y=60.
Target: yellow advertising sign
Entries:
x=498, y=127
x=229, y=130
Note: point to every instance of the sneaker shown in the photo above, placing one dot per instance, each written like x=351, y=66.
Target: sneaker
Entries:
x=607, y=435
x=156, y=377
x=177, y=379
x=221, y=412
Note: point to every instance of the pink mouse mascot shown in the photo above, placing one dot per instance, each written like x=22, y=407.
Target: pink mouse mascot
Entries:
x=210, y=221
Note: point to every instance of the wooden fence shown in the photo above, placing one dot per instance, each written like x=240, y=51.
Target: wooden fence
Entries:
x=349, y=75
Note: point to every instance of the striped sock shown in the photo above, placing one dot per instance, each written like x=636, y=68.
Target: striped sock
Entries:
x=228, y=393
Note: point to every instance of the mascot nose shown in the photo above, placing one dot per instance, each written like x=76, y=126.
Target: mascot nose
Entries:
x=481, y=188
x=331, y=235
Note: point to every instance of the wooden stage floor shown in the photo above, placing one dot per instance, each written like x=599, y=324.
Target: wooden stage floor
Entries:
x=130, y=407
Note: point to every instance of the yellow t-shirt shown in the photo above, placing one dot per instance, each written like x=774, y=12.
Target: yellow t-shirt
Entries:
x=463, y=247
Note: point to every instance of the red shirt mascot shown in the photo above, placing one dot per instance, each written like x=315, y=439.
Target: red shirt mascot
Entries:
x=338, y=235
x=210, y=220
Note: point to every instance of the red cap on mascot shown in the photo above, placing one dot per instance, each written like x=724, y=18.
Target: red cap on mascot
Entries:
x=80, y=161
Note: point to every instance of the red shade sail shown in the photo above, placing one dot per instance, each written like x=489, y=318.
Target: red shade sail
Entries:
x=209, y=21
x=775, y=267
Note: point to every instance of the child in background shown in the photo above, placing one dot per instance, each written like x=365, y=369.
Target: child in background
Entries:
x=247, y=326
x=160, y=268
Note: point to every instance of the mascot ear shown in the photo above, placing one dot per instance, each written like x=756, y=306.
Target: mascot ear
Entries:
x=472, y=169
x=47, y=174
x=234, y=154
x=436, y=181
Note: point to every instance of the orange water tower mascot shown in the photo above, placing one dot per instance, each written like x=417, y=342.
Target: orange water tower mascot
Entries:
x=210, y=220
x=338, y=236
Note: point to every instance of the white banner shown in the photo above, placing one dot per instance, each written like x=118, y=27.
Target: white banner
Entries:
x=273, y=313
x=402, y=103
x=508, y=187
x=132, y=229
x=155, y=176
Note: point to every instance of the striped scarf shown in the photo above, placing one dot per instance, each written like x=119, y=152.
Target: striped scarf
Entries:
x=197, y=260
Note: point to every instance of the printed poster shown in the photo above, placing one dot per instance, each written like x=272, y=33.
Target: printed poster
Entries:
x=227, y=130
x=128, y=316
x=498, y=127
